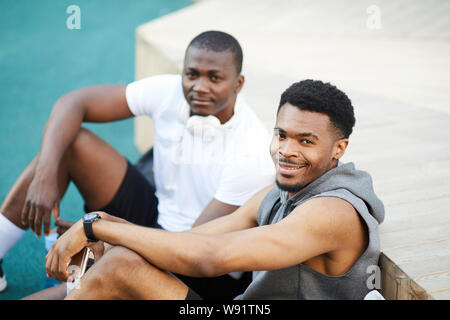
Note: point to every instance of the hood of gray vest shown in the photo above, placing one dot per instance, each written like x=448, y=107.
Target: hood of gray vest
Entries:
x=344, y=176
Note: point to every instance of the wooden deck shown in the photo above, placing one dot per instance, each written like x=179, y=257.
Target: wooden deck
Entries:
x=398, y=80
x=407, y=151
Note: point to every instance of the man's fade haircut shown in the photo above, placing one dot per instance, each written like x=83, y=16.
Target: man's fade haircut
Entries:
x=317, y=96
x=219, y=41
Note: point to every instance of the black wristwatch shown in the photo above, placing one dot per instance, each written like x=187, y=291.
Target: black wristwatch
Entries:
x=88, y=219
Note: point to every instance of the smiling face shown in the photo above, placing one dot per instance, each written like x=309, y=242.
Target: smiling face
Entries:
x=211, y=82
x=305, y=145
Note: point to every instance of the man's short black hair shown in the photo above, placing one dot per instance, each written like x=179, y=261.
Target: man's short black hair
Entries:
x=317, y=96
x=219, y=41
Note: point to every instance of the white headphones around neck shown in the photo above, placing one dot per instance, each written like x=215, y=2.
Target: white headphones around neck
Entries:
x=199, y=126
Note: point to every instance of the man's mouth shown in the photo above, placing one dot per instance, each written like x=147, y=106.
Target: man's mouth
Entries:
x=201, y=101
x=290, y=169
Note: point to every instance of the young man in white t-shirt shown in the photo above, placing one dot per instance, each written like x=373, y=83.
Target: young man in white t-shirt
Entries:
x=210, y=151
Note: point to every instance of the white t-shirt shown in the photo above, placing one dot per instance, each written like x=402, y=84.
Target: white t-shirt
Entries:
x=230, y=162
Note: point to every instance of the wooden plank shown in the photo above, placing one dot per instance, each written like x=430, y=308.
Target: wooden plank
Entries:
x=417, y=253
x=425, y=185
x=417, y=208
x=375, y=161
x=434, y=281
x=383, y=170
x=422, y=127
x=397, y=283
x=414, y=195
x=408, y=288
x=396, y=183
x=418, y=125
x=404, y=154
x=414, y=237
x=380, y=108
x=368, y=146
x=427, y=266
x=407, y=170
x=398, y=265
x=443, y=294
x=393, y=223
x=416, y=130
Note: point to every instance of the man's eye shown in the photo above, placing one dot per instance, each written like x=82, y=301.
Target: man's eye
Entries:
x=306, y=141
x=215, y=78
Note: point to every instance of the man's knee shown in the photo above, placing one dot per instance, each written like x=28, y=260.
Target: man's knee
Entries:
x=123, y=274
x=120, y=255
x=109, y=276
x=80, y=141
x=118, y=263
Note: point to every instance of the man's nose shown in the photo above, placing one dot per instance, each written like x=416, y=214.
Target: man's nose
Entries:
x=288, y=148
x=201, y=85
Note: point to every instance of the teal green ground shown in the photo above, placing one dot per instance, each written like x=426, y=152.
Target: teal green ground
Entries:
x=40, y=60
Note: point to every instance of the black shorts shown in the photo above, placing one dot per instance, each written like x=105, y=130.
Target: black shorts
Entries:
x=135, y=201
x=218, y=288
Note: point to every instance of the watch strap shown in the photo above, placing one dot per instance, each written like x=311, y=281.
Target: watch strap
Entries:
x=88, y=229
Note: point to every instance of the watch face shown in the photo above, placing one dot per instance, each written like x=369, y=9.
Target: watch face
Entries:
x=90, y=216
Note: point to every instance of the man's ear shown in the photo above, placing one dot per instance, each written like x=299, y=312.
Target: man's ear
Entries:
x=339, y=148
x=239, y=84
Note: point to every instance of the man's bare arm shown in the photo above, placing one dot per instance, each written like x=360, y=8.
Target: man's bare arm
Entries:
x=74, y=239
x=215, y=209
x=317, y=227
x=92, y=104
x=102, y=103
x=242, y=218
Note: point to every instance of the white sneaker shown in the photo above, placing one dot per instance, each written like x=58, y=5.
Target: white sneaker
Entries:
x=3, y=283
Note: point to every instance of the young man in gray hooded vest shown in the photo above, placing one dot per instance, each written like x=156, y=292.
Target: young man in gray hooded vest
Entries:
x=312, y=236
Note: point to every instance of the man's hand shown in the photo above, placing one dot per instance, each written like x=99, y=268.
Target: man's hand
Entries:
x=69, y=244
x=96, y=247
x=42, y=198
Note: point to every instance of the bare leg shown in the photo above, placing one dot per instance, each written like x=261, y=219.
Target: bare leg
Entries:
x=123, y=274
x=95, y=167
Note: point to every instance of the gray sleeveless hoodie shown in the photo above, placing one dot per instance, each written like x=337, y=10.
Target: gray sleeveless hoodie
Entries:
x=300, y=281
